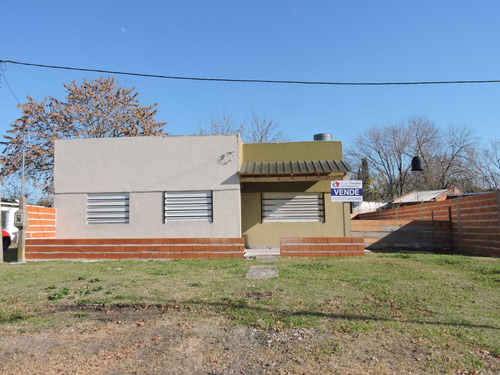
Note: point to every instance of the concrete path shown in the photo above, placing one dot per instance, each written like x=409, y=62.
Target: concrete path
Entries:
x=262, y=272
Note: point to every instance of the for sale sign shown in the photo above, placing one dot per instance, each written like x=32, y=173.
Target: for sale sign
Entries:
x=347, y=191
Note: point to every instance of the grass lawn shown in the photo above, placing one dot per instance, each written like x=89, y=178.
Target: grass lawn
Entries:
x=384, y=313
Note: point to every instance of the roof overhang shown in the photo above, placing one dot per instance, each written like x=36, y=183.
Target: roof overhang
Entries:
x=306, y=170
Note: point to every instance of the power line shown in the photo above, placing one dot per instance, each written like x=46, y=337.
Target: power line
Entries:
x=251, y=80
x=3, y=69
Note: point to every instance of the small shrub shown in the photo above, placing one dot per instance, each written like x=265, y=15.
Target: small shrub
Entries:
x=59, y=295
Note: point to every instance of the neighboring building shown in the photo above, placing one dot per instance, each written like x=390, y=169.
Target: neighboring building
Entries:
x=197, y=186
x=421, y=196
x=8, y=210
x=367, y=206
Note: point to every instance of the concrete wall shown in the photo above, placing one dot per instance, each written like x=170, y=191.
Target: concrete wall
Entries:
x=146, y=167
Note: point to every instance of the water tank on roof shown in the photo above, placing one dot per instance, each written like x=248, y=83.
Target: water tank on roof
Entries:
x=323, y=137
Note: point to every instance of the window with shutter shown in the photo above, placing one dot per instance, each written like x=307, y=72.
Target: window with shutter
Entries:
x=108, y=208
x=188, y=206
x=292, y=207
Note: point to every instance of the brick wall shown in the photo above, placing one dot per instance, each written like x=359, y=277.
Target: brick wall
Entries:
x=321, y=246
x=141, y=248
x=42, y=222
x=474, y=220
x=404, y=234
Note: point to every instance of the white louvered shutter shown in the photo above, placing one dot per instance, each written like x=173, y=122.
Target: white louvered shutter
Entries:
x=292, y=207
x=188, y=206
x=108, y=208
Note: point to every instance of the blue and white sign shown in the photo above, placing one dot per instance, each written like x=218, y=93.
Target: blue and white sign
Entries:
x=347, y=191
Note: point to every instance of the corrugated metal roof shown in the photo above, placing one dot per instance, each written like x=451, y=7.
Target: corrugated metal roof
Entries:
x=294, y=167
x=420, y=196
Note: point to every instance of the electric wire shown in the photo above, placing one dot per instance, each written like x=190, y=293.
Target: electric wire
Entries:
x=3, y=68
x=252, y=80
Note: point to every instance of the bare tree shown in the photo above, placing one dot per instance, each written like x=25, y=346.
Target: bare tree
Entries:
x=386, y=149
x=222, y=124
x=11, y=190
x=446, y=159
x=93, y=109
x=257, y=129
x=486, y=162
x=260, y=129
x=389, y=150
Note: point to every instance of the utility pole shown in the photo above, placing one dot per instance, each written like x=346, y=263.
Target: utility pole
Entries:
x=21, y=215
x=1, y=245
x=21, y=222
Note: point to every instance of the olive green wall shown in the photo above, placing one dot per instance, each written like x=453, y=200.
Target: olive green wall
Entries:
x=315, y=150
x=256, y=233
x=337, y=215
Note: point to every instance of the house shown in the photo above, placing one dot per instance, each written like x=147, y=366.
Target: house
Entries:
x=206, y=186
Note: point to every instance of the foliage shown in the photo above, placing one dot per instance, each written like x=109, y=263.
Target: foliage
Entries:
x=93, y=109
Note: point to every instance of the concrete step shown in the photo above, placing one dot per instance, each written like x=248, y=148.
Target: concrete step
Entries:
x=262, y=251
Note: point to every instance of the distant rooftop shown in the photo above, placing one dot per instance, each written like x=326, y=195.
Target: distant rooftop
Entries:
x=421, y=196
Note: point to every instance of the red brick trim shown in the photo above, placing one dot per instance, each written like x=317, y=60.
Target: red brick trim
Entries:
x=322, y=246
x=42, y=222
x=134, y=248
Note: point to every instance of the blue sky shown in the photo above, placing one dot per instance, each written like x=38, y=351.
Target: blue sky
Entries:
x=278, y=40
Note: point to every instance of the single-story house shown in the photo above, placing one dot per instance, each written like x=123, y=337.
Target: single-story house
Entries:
x=210, y=186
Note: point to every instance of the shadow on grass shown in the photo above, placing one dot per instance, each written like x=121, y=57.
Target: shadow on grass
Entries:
x=242, y=307
x=426, y=251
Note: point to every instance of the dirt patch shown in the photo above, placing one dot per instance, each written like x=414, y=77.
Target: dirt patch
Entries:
x=258, y=296
x=171, y=340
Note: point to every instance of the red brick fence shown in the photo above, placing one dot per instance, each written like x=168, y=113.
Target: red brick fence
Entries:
x=183, y=248
x=474, y=220
x=139, y=248
x=42, y=222
x=321, y=246
x=404, y=234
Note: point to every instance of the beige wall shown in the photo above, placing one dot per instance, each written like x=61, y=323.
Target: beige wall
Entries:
x=146, y=167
